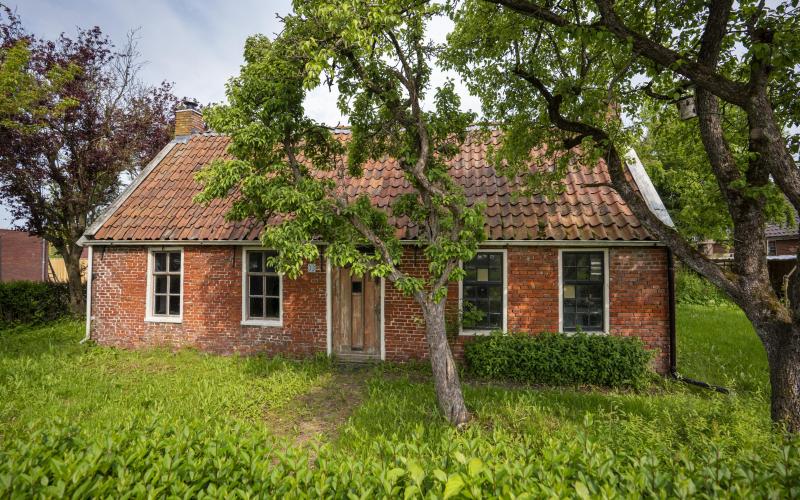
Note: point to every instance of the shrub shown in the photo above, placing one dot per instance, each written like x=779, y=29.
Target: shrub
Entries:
x=188, y=459
x=552, y=358
x=32, y=302
x=691, y=288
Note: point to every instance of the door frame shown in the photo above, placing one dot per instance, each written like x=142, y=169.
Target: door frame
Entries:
x=329, y=312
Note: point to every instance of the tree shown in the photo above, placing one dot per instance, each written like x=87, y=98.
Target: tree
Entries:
x=563, y=73
x=292, y=173
x=75, y=123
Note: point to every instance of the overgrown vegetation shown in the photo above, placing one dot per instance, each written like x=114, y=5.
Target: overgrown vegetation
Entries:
x=691, y=288
x=32, y=302
x=553, y=358
x=90, y=421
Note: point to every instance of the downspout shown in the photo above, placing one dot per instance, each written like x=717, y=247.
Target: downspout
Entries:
x=89, y=296
x=673, y=340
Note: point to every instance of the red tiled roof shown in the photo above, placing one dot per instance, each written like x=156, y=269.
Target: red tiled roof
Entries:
x=161, y=206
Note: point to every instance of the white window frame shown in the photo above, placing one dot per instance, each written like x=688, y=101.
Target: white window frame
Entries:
x=150, y=317
x=472, y=332
x=606, y=299
x=245, y=293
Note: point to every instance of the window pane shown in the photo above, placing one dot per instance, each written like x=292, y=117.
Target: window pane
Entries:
x=483, y=291
x=255, y=262
x=175, y=283
x=175, y=304
x=256, y=285
x=273, y=308
x=160, y=259
x=582, y=292
x=161, y=284
x=160, y=306
x=273, y=286
x=175, y=262
x=256, y=307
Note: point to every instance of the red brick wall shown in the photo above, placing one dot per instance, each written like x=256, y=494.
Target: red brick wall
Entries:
x=212, y=305
x=21, y=256
x=638, y=302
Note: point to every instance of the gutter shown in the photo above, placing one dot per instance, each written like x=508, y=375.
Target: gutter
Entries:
x=88, y=335
x=673, y=345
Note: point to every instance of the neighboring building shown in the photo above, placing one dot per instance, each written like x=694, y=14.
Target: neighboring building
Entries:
x=166, y=271
x=782, y=239
x=22, y=256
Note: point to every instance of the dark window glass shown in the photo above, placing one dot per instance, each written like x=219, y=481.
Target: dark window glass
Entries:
x=483, y=289
x=256, y=285
x=256, y=307
x=583, y=276
x=161, y=304
x=174, y=305
x=264, y=287
x=161, y=284
x=772, y=248
x=161, y=262
x=356, y=287
x=175, y=262
x=166, y=283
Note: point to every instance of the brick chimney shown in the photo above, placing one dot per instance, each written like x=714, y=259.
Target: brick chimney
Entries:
x=188, y=119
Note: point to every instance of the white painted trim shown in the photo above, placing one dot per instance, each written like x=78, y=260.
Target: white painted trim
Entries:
x=328, y=310
x=259, y=322
x=489, y=243
x=108, y=212
x=149, y=317
x=646, y=188
x=472, y=333
x=383, y=319
x=606, y=288
x=89, y=297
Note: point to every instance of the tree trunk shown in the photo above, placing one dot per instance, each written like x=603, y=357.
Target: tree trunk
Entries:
x=445, y=373
x=783, y=356
x=72, y=262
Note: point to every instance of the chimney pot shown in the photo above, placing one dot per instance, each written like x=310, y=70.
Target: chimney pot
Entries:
x=188, y=118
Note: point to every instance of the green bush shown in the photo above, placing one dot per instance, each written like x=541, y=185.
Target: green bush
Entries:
x=552, y=358
x=691, y=288
x=32, y=302
x=206, y=458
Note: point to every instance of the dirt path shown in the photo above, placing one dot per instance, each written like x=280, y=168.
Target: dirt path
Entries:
x=322, y=411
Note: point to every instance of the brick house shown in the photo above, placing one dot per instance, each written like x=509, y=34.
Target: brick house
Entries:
x=166, y=271
x=22, y=256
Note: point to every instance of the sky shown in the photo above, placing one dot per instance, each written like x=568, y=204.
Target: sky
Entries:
x=197, y=44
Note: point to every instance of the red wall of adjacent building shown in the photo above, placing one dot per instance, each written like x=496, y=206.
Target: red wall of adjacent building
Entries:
x=638, y=303
x=22, y=257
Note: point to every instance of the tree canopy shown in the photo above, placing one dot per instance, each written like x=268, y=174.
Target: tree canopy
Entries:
x=75, y=122
x=293, y=172
x=594, y=73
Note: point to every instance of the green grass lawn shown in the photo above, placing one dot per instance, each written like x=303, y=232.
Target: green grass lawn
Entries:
x=89, y=421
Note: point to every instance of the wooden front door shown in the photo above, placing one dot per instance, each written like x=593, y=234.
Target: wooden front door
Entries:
x=356, y=303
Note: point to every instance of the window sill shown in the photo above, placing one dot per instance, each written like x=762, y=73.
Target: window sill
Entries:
x=475, y=333
x=587, y=332
x=163, y=319
x=262, y=322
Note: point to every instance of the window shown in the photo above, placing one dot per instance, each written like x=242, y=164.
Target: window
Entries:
x=262, y=301
x=583, y=290
x=483, y=290
x=165, y=284
x=772, y=248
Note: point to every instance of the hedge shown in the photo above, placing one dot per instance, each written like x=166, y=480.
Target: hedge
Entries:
x=553, y=358
x=691, y=288
x=32, y=302
x=156, y=458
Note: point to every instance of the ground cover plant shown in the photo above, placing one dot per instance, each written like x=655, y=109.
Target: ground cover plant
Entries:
x=85, y=420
